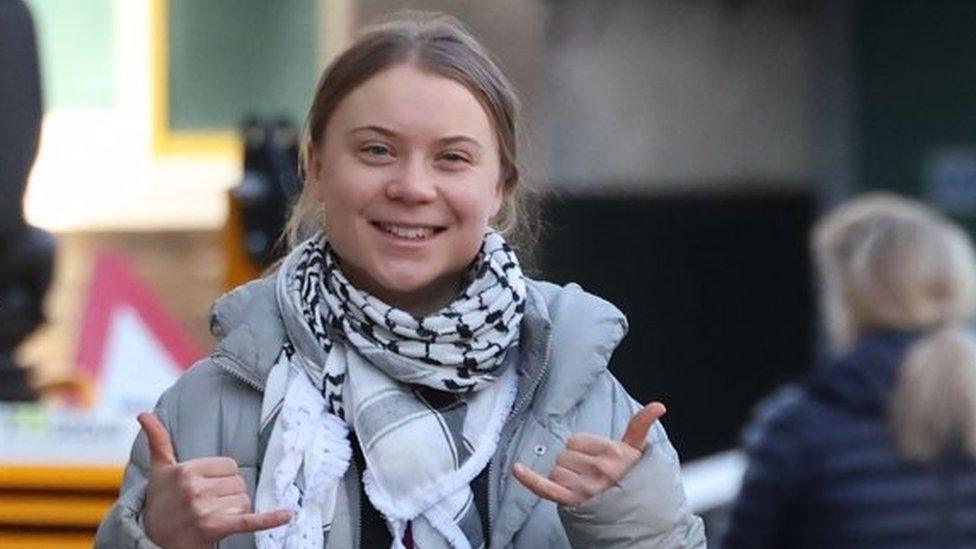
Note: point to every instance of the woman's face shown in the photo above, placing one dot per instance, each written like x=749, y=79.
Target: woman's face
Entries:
x=408, y=174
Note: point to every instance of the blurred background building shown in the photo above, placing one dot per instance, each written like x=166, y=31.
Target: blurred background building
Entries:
x=684, y=147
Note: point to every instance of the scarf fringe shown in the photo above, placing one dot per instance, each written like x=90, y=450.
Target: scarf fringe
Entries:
x=443, y=523
x=317, y=444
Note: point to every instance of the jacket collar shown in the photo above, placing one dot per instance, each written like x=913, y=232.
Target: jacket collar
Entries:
x=247, y=323
x=863, y=378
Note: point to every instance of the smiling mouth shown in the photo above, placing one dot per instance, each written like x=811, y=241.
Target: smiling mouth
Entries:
x=407, y=232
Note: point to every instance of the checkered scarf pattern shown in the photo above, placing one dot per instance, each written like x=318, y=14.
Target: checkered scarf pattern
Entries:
x=395, y=379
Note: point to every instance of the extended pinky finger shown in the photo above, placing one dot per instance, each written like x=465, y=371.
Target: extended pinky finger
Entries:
x=249, y=522
x=544, y=487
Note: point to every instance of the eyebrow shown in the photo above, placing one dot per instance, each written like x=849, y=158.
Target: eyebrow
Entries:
x=393, y=134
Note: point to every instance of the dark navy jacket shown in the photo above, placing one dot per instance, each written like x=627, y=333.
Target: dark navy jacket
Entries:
x=824, y=470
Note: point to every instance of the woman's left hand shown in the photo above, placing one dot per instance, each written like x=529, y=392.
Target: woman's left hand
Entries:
x=590, y=464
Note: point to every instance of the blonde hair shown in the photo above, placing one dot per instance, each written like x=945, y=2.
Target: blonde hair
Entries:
x=441, y=45
x=887, y=262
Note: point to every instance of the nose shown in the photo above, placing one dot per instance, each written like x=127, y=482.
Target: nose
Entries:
x=412, y=185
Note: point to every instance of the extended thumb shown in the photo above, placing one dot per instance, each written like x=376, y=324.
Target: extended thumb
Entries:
x=636, y=434
x=160, y=446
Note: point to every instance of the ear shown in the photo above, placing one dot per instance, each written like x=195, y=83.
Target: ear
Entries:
x=313, y=172
x=498, y=198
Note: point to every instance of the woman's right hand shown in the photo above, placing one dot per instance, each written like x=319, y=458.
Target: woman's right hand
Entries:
x=198, y=502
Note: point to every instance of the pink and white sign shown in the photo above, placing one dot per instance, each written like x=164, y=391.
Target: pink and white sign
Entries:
x=129, y=346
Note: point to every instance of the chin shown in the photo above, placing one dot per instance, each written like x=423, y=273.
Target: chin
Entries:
x=408, y=285
x=403, y=279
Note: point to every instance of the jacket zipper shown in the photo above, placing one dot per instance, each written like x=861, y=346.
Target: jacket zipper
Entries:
x=234, y=367
x=509, y=430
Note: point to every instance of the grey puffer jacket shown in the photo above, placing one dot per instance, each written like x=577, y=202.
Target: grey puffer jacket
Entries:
x=564, y=387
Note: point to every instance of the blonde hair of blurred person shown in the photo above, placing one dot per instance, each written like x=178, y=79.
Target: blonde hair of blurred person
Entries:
x=887, y=262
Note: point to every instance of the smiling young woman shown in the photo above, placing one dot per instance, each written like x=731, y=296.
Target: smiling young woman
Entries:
x=397, y=380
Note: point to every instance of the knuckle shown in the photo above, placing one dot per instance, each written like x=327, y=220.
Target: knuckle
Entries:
x=241, y=503
x=191, y=489
x=557, y=475
x=246, y=522
x=606, y=470
x=184, y=474
x=614, y=451
x=198, y=512
x=574, y=442
x=229, y=463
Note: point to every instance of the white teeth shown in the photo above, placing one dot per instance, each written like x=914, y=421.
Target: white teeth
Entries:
x=413, y=233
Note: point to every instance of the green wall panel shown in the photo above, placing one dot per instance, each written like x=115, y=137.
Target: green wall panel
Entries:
x=229, y=58
x=76, y=40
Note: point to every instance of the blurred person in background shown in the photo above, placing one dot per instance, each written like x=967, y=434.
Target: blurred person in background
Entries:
x=878, y=449
x=26, y=252
x=398, y=381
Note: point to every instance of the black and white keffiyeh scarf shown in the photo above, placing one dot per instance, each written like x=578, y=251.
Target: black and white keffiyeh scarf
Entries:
x=352, y=361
